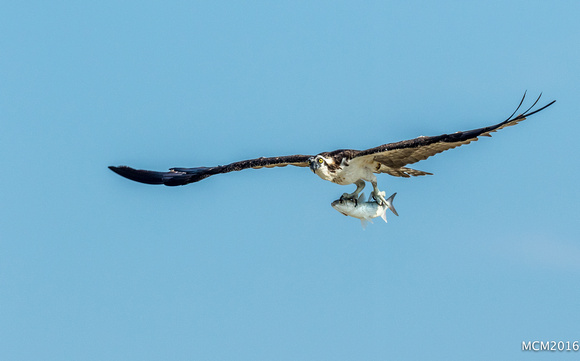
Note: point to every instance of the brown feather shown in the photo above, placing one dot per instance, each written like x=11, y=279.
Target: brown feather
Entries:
x=394, y=156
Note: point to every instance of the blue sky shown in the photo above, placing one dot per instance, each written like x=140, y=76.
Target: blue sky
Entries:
x=256, y=265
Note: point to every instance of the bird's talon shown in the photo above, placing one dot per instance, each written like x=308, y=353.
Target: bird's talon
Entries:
x=349, y=197
x=379, y=198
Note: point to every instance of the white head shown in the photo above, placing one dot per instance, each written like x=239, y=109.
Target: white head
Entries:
x=322, y=166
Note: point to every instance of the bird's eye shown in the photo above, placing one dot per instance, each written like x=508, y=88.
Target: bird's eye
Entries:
x=320, y=160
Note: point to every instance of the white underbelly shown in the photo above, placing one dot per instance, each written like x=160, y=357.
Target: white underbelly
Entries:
x=346, y=178
x=352, y=173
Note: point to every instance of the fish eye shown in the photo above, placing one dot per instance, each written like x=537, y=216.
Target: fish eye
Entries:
x=320, y=160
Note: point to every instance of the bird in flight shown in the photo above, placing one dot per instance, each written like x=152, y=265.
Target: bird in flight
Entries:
x=342, y=166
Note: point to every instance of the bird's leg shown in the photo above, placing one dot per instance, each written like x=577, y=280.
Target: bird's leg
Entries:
x=378, y=195
x=360, y=185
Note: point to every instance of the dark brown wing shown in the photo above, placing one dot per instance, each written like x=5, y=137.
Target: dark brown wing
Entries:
x=182, y=176
x=391, y=158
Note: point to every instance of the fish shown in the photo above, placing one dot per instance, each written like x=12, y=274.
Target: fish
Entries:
x=365, y=211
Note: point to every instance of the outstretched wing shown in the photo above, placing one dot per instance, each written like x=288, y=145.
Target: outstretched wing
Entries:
x=391, y=158
x=182, y=176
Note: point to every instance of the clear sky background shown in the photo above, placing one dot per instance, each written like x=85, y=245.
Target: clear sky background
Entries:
x=256, y=265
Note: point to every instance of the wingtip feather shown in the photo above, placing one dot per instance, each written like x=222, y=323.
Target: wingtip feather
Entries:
x=138, y=175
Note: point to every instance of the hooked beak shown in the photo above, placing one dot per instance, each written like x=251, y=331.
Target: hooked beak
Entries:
x=313, y=165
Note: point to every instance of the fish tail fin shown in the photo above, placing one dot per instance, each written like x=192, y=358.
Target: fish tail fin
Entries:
x=390, y=205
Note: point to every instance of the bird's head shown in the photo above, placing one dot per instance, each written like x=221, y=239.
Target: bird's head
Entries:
x=319, y=164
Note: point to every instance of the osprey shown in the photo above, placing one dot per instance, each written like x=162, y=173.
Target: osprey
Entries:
x=342, y=166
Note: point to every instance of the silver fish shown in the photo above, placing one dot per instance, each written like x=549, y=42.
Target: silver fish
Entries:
x=365, y=211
